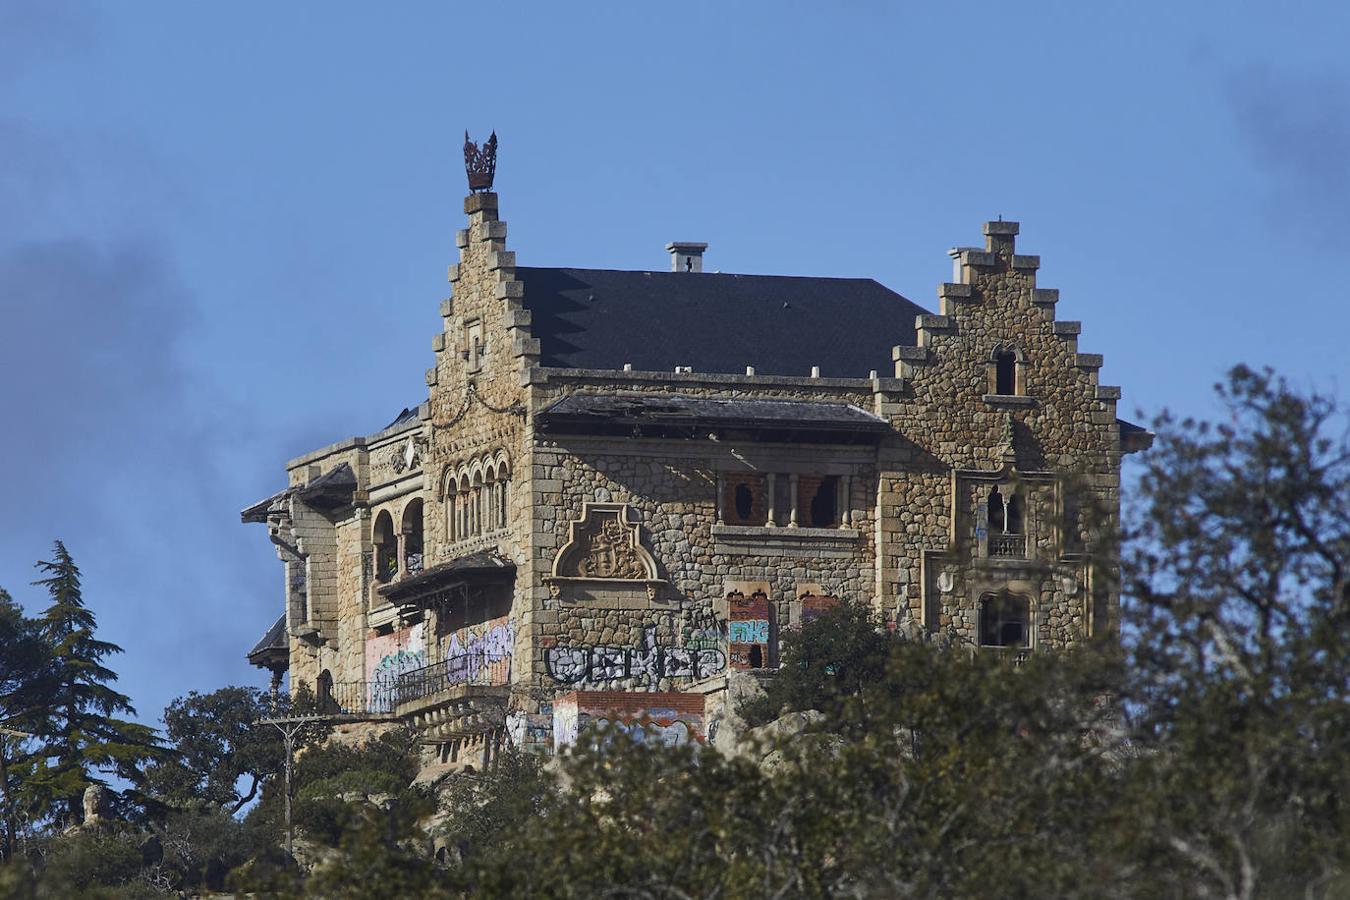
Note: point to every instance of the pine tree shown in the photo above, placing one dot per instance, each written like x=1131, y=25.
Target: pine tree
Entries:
x=24, y=683
x=81, y=736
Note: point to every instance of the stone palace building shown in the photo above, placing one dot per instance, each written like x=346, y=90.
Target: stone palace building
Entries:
x=623, y=484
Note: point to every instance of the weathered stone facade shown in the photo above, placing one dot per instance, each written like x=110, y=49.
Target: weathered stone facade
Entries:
x=535, y=530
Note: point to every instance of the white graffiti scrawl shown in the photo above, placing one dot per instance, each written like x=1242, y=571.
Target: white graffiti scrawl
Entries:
x=473, y=657
x=576, y=664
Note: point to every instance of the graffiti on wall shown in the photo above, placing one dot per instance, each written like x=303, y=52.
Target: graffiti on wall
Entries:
x=387, y=657
x=481, y=654
x=702, y=631
x=668, y=719
x=649, y=662
x=816, y=605
x=748, y=629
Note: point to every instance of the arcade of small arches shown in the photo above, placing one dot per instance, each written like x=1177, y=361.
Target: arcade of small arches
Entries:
x=398, y=552
x=476, y=496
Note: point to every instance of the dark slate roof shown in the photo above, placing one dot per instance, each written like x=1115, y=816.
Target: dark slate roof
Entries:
x=409, y=413
x=476, y=567
x=330, y=490
x=781, y=325
x=272, y=644
x=258, y=511
x=1134, y=438
x=658, y=413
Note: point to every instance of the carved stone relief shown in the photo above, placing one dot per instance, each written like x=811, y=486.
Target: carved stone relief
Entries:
x=604, y=546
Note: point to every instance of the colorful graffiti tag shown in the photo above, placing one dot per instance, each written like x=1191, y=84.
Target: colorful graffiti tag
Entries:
x=668, y=719
x=481, y=654
x=387, y=657
x=748, y=629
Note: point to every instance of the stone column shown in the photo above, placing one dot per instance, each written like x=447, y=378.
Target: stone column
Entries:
x=845, y=501
x=718, y=502
x=771, y=493
x=792, y=500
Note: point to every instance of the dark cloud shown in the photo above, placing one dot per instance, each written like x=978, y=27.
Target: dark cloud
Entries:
x=116, y=435
x=1297, y=128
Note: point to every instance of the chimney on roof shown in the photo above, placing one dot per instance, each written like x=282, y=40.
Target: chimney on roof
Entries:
x=686, y=256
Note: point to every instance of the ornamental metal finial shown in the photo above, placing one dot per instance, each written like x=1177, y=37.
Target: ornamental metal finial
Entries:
x=480, y=163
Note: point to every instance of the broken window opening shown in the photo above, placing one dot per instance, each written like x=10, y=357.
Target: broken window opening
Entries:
x=1005, y=620
x=823, y=505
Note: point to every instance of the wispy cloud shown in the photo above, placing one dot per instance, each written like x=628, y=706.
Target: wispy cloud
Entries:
x=1297, y=128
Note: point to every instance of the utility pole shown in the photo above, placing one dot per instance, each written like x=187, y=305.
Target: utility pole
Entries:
x=4, y=785
x=290, y=728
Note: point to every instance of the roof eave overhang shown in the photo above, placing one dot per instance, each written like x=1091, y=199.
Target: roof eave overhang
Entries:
x=441, y=583
x=698, y=427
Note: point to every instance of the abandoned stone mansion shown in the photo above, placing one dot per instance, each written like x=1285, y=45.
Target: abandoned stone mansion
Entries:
x=611, y=496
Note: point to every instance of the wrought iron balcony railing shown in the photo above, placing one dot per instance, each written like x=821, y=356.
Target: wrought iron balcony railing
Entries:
x=465, y=669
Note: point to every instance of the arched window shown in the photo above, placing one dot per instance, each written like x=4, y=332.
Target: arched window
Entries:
x=1007, y=372
x=1005, y=513
x=386, y=547
x=465, y=517
x=478, y=503
x=996, y=511
x=324, y=691
x=1005, y=620
x=1006, y=538
x=502, y=501
x=412, y=538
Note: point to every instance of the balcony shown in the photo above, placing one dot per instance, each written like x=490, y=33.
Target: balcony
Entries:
x=455, y=682
x=468, y=670
x=1007, y=546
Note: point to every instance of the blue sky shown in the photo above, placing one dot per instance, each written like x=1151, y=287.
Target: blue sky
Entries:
x=224, y=227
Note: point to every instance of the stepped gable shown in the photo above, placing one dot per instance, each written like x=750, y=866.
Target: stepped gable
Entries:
x=715, y=323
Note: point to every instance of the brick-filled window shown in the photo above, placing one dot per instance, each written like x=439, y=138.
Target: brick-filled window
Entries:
x=744, y=501
x=818, y=501
x=782, y=500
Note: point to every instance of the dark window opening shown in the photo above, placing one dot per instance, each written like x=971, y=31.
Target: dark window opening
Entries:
x=1013, y=511
x=824, y=511
x=1005, y=372
x=324, y=690
x=412, y=537
x=386, y=548
x=756, y=657
x=996, y=519
x=745, y=502
x=782, y=500
x=1005, y=621
x=1005, y=515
